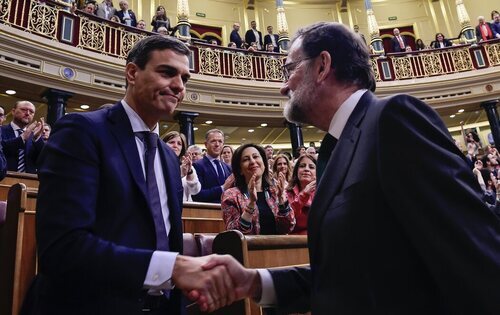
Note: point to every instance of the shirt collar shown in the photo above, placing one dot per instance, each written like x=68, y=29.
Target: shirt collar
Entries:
x=14, y=126
x=345, y=110
x=136, y=121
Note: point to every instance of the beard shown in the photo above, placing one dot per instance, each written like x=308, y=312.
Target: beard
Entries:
x=297, y=108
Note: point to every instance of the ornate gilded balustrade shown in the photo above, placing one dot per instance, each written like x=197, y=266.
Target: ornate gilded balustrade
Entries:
x=88, y=32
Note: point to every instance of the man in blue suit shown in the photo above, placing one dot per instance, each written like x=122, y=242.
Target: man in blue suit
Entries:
x=21, y=139
x=109, y=229
x=215, y=176
x=126, y=16
x=398, y=224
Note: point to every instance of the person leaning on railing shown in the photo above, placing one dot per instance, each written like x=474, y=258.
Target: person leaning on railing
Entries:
x=160, y=19
x=256, y=205
x=441, y=41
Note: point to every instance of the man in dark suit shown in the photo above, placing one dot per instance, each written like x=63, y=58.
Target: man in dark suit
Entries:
x=235, y=36
x=21, y=139
x=126, y=16
x=397, y=225
x=398, y=42
x=254, y=36
x=109, y=228
x=271, y=38
x=214, y=175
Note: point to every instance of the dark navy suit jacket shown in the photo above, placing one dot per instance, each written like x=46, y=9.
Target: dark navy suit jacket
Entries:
x=397, y=225
x=235, y=38
x=268, y=40
x=11, y=145
x=395, y=44
x=133, y=19
x=95, y=232
x=250, y=37
x=210, y=187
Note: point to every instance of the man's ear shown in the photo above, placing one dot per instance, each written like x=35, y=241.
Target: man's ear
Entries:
x=325, y=66
x=130, y=72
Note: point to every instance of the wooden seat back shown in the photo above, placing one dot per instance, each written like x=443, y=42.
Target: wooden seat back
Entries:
x=201, y=217
x=17, y=249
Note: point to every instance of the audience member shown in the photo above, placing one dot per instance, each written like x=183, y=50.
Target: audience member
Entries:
x=195, y=152
x=270, y=48
x=254, y=36
x=108, y=218
x=89, y=8
x=160, y=19
x=105, y=10
x=441, y=42
x=419, y=44
x=312, y=152
x=126, y=15
x=271, y=39
x=190, y=183
x=141, y=24
x=214, y=42
x=46, y=132
x=495, y=25
x=232, y=45
x=356, y=30
x=215, y=177
x=162, y=30
x=300, y=192
x=235, y=36
x=253, y=47
x=2, y=115
x=492, y=14
x=227, y=154
x=21, y=139
x=398, y=42
x=255, y=205
x=483, y=30
x=115, y=19
x=473, y=143
x=282, y=165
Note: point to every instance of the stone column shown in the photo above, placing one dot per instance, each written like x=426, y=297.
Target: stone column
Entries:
x=463, y=18
x=295, y=137
x=183, y=25
x=377, y=47
x=284, y=40
x=186, y=120
x=56, y=104
x=491, y=111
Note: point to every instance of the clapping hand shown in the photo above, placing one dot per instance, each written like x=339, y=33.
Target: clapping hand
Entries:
x=281, y=185
x=310, y=188
x=186, y=165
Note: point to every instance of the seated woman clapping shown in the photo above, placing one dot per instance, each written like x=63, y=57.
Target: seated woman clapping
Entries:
x=190, y=182
x=301, y=191
x=255, y=205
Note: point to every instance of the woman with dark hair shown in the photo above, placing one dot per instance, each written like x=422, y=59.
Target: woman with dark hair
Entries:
x=227, y=154
x=441, y=41
x=282, y=165
x=300, y=193
x=177, y=142
x=419, y=44
x=255, y=205
x=160, y=19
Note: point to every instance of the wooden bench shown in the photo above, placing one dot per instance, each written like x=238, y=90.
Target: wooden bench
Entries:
x=30, y=180
x=201, y=217
x=260, y=251
x=17, y=249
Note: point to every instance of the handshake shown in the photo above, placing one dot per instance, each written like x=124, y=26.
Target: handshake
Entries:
x=215, y=281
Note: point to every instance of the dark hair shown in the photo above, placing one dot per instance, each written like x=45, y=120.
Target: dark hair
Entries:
x=350, y=58
x=239, y=179
x=288, y=174
x=295, y=176
x=141, y=51
x=419, y=44
x=172, y=134
x=437, y=34
x=228, y=146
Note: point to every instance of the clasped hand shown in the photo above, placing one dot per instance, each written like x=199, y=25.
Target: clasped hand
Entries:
x=214, y=281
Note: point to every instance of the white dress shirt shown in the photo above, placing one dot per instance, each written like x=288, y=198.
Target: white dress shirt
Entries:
x=162, y=263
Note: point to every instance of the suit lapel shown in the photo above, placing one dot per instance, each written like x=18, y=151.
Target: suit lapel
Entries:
x=122, y=130
x=335, y=171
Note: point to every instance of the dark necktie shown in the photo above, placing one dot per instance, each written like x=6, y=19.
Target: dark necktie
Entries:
x=326, y=149
x=220, y=172
x=150, y=140
x=21, y=167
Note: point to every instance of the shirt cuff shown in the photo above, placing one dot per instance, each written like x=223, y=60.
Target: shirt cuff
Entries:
x=268, y=297
x=160, y=271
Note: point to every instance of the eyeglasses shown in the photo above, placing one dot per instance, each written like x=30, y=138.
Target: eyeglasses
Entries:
x=288, y=68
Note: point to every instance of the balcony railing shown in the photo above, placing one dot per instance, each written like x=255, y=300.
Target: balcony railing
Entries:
x=88, y=32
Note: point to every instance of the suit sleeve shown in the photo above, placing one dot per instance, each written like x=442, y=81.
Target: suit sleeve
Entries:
x=3, y=162
x=213, y=193
x=438, y=203
x=11, y=146
x=293, y=289
x=67, y=211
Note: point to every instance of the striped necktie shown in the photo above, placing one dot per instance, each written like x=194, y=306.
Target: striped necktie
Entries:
x=21, y=166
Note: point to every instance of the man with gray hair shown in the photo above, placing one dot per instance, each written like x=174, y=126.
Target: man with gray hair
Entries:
x=195, y=152
x=215, y=177
x=393, y=229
